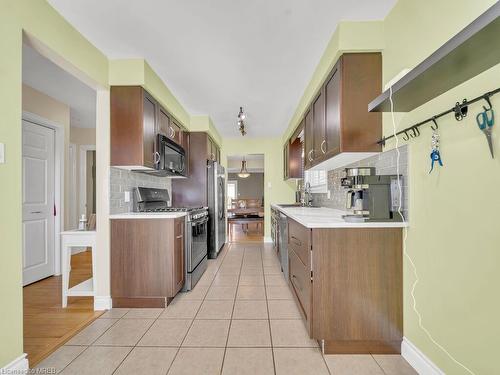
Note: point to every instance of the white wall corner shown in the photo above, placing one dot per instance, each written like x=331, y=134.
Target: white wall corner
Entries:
x=102, y=303
x=268, y=240
x=19, y=365
x=418, y=360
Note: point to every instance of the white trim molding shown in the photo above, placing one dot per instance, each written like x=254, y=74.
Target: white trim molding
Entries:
x=19, y=365
x=418, y=360
x=102, y=303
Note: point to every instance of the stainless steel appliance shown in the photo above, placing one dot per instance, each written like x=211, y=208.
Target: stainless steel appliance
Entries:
x=371, y=197
x=196, y=232
x=283, y=243
x=216, y=208
x=170, y=158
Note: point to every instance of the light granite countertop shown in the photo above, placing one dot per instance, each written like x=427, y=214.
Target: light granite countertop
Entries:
x=321, y=217
x=147, y=215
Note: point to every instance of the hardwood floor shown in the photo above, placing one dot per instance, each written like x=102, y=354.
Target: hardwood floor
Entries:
x=254, y=234
x=46, y=324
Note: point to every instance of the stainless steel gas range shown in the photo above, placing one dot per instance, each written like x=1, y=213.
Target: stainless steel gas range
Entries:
x=196, y=232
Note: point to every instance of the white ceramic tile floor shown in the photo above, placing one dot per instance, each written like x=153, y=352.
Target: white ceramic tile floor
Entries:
x=241, y=319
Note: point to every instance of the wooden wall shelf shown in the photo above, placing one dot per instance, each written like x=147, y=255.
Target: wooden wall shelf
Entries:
x=469, y=53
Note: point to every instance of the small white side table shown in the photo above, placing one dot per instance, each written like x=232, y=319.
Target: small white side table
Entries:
x=77, y=238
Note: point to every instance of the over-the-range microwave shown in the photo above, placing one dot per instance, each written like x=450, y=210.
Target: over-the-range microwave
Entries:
x=172, y=158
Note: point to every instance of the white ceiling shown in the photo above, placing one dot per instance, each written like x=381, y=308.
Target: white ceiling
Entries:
x=219, y=55
x=45, y=76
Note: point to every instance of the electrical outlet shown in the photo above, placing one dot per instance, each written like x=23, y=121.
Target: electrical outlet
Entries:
x=2, y=153
x=127, y=196
x=395, y=194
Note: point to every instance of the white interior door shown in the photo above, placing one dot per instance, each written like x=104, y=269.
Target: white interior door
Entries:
x=38, y=202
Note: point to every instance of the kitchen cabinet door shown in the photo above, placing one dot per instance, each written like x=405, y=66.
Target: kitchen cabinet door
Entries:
x=175, y=132
x=308, y=139
x=163, y=122
x=217, y=154
x=149, y=130
x=178, y=261
x=332, y=111
x=319, y=141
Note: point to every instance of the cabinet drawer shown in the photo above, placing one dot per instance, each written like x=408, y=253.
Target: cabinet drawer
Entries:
x=299, y=241
x=300, y=281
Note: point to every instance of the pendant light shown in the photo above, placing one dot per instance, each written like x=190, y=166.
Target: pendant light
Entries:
x=241, y=123
x=243, y=172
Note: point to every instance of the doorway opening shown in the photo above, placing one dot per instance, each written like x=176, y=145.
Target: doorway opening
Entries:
x=245, y=198
x=58, y=169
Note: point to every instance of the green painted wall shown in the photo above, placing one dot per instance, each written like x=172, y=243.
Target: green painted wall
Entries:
x=38, y=19
x=453, y=236
x=279, y=191
x=205, y=124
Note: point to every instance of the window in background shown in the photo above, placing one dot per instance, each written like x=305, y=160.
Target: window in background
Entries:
x=232, y=191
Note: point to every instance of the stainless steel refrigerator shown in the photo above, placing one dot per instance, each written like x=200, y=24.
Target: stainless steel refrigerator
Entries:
x=216, y=208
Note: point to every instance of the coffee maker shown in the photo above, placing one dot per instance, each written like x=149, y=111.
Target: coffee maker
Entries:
x=371, y=197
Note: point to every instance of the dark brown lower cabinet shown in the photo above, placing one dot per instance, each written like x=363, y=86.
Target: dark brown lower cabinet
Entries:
x=351, y=295
x=147, y=261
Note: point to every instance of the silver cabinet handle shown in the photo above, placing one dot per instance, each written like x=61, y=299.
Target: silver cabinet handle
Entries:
x=309, y=155
x=322, y=144
x=172, y=132
x=155, y=156
x=35, y=212
x=179, y=236
x=213, y=156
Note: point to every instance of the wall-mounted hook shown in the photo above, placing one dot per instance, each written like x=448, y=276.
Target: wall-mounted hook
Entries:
x=434, y=127
x=406, y=137
x=414, y=132
x=487, y=98
x=460, y=110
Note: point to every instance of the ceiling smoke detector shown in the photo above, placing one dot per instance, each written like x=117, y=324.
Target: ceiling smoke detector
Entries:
x=241, y=123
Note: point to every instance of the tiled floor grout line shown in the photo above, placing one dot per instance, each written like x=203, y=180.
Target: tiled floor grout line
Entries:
x=91, y=344
x=197, y=311
x=232, y=312
x=378, y=364
x=268, y=314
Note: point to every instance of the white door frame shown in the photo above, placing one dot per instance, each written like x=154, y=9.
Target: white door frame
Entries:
x=83, y=177
x=58, y=183
x=73, y=198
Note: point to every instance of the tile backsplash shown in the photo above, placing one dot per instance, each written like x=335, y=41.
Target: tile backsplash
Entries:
x=121, y=180
x=385, y=164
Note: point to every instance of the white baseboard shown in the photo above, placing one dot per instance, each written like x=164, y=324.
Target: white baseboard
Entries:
x=102, y=303
x=19, y=365
x=418, y=360
x=268, y=239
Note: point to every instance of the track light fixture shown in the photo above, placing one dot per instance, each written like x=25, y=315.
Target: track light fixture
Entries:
x=241, y=123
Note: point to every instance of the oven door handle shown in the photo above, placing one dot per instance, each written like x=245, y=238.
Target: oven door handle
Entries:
x=198, y=222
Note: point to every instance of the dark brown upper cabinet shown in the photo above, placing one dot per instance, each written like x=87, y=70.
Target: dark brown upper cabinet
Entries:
x=292, y=155
x=136, y=120
x=213, y=151
x=337, y=120
x=133, y=127
x=308, y=139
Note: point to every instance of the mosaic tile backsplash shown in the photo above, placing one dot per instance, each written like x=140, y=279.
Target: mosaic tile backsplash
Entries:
x=121, y=180
x=385, y=164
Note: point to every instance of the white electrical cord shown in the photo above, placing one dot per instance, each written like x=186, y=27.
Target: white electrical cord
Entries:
x=405, y=236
